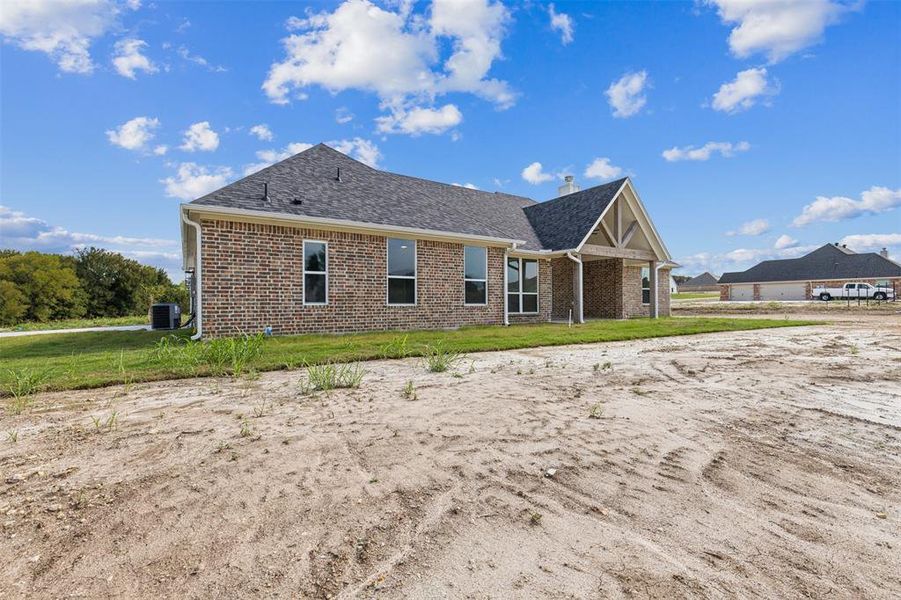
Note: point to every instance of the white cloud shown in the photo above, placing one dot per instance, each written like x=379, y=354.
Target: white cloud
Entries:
x=400, y=56
x=725, y=149
x=200, y=136
x=535, y=175
x=343, y=115
x=469, y=186
x=363, y=150
x=785, y=241
x=161, y=149
x=193, y=181
x=755, y=227
x=128, y=58
x=868, y=242
x=777, y=28
x=873, y=201
x=600, y=168
x=62, y=30
x=23, y=232
x=626, y=94
x=742, y=93
x=270, y=157
x=740, y=258
x=262, y=132
x=134, y=134
x=199, y=60
x=416, y=121
x=563, y=23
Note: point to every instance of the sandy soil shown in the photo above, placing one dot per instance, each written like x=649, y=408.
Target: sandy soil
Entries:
x=759, y=464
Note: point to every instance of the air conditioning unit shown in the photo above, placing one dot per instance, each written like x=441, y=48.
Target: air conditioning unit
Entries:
x=165, y=316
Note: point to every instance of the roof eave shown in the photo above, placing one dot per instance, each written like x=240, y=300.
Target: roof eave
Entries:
x=344, y=224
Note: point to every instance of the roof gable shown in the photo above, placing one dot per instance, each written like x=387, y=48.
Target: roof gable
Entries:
x=562, y=223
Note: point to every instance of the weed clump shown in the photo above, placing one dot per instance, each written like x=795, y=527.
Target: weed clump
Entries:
x=329, y=376
x=22, y=384
x=439, y=359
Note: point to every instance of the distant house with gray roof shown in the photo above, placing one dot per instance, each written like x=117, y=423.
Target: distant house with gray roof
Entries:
x=830, y=265
x=705, y=282
x=320, y=242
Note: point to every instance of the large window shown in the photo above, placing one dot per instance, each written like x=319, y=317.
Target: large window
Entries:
x=645, y=285
x=522, y=285
x=401, y=271
x=315, y=272
x=475, y=275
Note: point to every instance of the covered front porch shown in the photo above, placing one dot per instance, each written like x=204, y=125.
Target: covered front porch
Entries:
x=620, y=270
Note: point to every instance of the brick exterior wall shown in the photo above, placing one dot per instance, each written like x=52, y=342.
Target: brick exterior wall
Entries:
x=562, y=271
x=610, y=289
x=253, y=278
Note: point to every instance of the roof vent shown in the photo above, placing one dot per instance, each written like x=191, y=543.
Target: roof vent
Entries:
x=884, y=253
x=266, y=192
x=569, y=186
x=338, y=176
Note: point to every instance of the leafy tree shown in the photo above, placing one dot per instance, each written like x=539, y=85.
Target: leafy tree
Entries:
x=12, y=303
x=47, y=283
x=118, y=286
x=680, y=279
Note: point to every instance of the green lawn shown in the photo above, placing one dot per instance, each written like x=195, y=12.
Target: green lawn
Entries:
x=78, y=323
x=696, y=296
x=94, y=359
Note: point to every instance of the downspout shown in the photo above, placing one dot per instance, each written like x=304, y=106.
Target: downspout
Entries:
x=580, y=317
x=506, y=306
x=198, y=277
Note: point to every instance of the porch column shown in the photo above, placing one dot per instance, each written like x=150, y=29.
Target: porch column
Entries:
x=652, y=285
x=578, y=302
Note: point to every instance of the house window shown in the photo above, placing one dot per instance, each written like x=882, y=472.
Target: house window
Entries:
x=475, y=275
x=522, y=285
x=401, y=271
x=645, y=285
x=315, y=272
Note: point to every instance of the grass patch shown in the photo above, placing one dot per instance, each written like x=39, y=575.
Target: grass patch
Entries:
x=78, y=323
x=94, y=359
x=695, y=296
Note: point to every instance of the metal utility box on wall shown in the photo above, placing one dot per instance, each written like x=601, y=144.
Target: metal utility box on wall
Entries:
x=165, y=316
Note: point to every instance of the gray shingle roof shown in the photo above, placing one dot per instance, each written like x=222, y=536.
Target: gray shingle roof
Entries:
x=562, y=223
x=369, y=195
x=826, y=262
x=706, y=278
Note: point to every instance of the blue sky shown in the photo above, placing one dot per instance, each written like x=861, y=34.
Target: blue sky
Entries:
x=751, y=132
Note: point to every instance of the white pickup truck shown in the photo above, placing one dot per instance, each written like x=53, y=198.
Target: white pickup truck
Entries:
x=853, y=290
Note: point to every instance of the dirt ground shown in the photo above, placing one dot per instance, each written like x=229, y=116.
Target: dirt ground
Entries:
x=754, y=464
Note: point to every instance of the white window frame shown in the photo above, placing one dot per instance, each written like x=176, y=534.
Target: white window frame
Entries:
x=641, y=281
x=465, y=279
x=305, y=272
x=520, y=293
x=389, y=277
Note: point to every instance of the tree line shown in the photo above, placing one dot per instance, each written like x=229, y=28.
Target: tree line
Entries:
x=93, y=282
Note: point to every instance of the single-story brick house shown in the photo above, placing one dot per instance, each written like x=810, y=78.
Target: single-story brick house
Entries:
x=705, y=282
x=320, y=242
x=831, y=265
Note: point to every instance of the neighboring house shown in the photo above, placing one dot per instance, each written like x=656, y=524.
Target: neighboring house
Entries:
x=673, y=286
x=831, y=265
x=320, y=242
x=705, y=282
